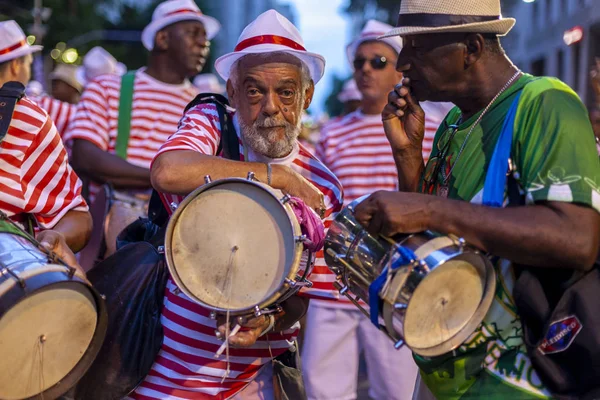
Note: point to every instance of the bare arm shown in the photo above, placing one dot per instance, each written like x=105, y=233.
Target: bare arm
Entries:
x=76, y=227
x=551, y=234
x=183, y=171
x=102, y=166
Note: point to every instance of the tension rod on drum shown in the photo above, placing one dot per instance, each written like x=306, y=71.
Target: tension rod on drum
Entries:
x=338, y=258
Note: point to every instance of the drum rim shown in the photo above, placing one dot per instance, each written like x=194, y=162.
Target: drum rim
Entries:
x=39, y=282
x=177, y=214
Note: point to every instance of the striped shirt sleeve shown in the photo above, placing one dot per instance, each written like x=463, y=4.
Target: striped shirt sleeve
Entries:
x=61, y=113
x=91, y=120
x=199, y=130
x=50, y=186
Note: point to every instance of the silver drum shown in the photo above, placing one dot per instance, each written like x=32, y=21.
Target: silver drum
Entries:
x=433, y=302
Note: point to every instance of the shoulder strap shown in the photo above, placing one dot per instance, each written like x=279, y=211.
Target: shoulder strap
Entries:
x=229, y=144
x=10, y=94
x=124, y=122
x=500, y=165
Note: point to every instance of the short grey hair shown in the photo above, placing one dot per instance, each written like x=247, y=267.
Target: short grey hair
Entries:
x=304, y=71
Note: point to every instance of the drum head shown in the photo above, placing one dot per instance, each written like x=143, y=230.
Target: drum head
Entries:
x=43, y=337
x=232, y=246
x=444, y=303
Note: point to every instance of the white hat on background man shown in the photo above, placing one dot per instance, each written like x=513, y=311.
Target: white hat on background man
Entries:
x=173, y=11
x=439, y=16
x=269, y=33
x=371, y=32
x=209, y=83
x=68, y=74
x=98, y=62
x=349, y=92
x=13, y=42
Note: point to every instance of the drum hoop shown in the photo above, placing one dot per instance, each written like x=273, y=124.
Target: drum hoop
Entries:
x=39, y=281
x=177, y=214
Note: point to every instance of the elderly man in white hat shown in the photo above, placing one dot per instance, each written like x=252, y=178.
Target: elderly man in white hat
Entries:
x=270, y=81
x=98, y=62
x=38, y=183
x=122, y=121
x=513, y=138
x=356, y=150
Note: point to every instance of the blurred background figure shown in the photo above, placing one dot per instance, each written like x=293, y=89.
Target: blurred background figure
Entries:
x=34, y=89
x=209, y=83
x=98, y=62
x=65, y=85
x=350, y=97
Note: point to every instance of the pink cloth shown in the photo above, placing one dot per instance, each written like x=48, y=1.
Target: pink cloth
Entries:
x=310, y=223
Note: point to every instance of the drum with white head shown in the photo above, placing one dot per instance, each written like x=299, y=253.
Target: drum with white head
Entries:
x=432, y=291
x=235, y=246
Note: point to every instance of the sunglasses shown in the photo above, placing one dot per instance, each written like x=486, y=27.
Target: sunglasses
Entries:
x=379, y=62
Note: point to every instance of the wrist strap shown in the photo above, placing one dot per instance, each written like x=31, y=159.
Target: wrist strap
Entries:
x=270, y=327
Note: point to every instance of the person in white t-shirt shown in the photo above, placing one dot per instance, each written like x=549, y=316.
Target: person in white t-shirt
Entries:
x=356, y=150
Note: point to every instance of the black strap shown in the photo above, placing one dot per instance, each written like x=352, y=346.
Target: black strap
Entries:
x=10, y=94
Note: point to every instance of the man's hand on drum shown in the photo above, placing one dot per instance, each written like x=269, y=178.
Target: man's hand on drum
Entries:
x=294, y=184
x=390, y=213
x=250, y=332
x=55, y=242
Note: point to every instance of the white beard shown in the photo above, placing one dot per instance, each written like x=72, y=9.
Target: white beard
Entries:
x=266, y=142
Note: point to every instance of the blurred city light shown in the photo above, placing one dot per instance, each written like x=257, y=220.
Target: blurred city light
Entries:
x=55, y=53
x=31, y=39
x=573, y=35
x=61, y=46
x=69, y=56
x=528, y=1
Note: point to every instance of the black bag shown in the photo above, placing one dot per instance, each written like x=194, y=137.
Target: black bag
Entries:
x=133, y=281
x=560, y=315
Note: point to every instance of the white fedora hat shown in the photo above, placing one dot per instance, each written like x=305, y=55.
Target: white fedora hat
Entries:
x=349, y=92
x=68, y=74
x=13, y=43
x=435, y=16
x=172, y=11
x=209, y=83
x=372, y=31
x=269, y=33
x=98, y=62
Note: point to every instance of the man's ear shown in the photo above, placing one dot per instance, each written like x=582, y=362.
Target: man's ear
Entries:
x=310, y=91
x=161, y=41
x=474, y=45
x=231, y=93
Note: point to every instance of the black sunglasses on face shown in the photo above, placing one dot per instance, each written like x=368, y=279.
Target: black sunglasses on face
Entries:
x=379, y=62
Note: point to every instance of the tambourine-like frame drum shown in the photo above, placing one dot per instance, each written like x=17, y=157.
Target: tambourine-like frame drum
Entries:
x=234, y=246
x=52, y=321
x=433, y=302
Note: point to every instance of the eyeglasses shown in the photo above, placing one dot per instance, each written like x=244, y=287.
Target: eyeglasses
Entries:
x=379, y=62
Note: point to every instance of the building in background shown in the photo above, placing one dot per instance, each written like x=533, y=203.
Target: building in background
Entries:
x=234, y=15
x=556, y=38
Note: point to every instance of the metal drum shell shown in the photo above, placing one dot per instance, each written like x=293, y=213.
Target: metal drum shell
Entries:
x=42, y=276
x=286, y=289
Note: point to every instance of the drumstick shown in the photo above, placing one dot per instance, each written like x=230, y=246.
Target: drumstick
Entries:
x=234, y=331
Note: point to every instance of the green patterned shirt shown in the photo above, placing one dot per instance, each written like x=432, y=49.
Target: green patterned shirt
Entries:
x=555, y=155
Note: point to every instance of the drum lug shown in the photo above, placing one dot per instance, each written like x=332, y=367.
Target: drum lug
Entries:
x=213, y=315
x=173, y=206
x=301, y=239
x=298, y=284
x=460, y=242
x=161, y=249
x=251, y=176
x=207, y=179
x=399, y=344
x=285, y=199
x=257, y=311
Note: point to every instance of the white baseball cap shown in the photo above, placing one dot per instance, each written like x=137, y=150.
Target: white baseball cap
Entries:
x=13, y=42
x=271, y=32
x=172, y=11
x=371, y=32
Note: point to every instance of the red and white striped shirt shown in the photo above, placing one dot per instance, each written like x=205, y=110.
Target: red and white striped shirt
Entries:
x=357, y=151
x=61, y=112
x=185, y=367
x=156, y=110
x=35, y=176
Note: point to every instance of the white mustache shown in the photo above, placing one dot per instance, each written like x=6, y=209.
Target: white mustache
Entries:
x=271, y=123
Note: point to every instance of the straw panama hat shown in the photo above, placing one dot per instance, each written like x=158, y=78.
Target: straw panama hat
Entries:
x=271, y=32
x=13, y=43
x=98, y=62
x=372, y=31
x=173, y=11
x=68, y=74
x=435, y=16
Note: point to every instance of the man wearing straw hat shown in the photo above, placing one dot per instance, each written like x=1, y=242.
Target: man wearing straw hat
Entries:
x=270, y=81
x=452, y=53
x=35, y=175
